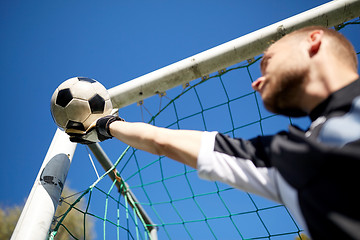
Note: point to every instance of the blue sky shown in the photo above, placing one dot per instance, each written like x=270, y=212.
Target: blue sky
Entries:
x=43, y=43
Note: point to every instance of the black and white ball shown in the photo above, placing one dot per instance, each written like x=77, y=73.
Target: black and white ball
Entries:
x=78, y=102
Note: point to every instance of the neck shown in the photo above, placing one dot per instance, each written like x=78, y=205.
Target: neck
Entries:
x=323, y=80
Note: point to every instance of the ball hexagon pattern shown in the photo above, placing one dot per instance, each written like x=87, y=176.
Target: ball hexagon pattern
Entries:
x=78, y=102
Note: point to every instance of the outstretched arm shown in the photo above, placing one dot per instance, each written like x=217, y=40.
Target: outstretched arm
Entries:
x=234, y=168
x=180, y=145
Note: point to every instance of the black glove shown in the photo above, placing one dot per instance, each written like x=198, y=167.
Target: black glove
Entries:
x=97, y=132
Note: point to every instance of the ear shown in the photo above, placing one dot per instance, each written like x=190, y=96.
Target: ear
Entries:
x=257, y=84
x=315, y=39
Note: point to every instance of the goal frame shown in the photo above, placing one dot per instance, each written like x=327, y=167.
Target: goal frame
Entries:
x=37, y=215
x=230, y=53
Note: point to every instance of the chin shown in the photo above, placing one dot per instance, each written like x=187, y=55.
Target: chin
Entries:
x=283, y=110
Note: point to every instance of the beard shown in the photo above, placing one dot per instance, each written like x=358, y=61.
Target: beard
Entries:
x=285, y=92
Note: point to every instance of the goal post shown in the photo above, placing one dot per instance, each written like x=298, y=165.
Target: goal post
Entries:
x=36, y=218
x=230, y=53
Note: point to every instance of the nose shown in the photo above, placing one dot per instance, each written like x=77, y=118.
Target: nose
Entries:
x=258, y=83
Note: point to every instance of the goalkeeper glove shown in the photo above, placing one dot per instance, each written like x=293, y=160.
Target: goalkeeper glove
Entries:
x=98, y=131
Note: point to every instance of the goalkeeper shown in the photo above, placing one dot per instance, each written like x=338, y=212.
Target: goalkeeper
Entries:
x=312, y=71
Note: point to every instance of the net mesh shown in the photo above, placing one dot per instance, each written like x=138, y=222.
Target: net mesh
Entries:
x=181, y=205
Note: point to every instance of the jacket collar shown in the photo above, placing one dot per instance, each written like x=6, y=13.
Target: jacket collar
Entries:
x=339, y=100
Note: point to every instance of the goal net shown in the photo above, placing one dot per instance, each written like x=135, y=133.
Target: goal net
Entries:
x=155, y=194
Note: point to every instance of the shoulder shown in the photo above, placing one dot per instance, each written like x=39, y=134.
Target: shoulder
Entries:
x=341, y=128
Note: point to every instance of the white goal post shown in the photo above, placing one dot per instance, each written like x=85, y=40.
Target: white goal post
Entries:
x=230, y=53
x=36, y=218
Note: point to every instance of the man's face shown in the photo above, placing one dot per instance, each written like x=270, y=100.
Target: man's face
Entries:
x=284, y=72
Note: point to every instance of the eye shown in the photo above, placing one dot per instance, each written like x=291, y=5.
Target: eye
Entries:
x=264, y=63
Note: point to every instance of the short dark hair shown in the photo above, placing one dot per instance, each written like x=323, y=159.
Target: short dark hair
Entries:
x=341, y=46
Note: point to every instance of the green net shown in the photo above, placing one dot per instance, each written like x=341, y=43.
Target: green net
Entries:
x=179, y=204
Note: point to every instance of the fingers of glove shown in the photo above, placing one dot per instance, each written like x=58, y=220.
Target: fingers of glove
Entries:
x=89, y=137
x=79, y=140
x=77, y=132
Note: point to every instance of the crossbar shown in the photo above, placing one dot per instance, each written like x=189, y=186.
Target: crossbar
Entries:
x=230, y=53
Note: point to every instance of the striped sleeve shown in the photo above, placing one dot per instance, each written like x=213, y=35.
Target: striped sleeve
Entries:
x=233, y=161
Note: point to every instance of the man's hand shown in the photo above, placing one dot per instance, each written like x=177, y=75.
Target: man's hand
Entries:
x=98, y=131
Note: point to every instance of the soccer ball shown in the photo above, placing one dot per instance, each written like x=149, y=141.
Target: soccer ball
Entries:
x=78, y=102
